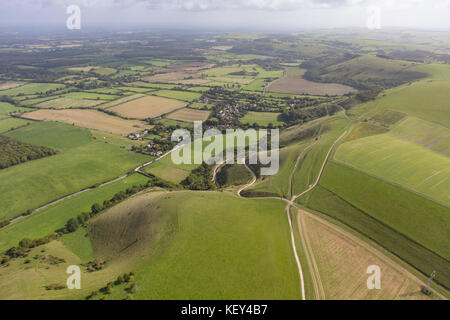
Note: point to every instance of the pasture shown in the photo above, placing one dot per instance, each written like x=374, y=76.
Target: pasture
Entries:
x=400, y=162
x=262, y=118
x=82, y=162
x=179, y=95
x=211, y=238
x=147, y=107
x=12, y=123
x=89, y=119
x=32, y=88
x=50, y=219
x=189, y=115
x=66, y=103
x=430, y=135
x=298, y=85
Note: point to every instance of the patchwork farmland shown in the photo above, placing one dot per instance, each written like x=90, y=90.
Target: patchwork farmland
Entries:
x=88, y=119
x=147, y=107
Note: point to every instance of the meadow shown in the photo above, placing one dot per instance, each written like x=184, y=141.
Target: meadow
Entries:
x=65, y=103
x=426, y=100
x=262, y=118
x=32, y=88
x=12, y=123
x=179, y=95
x=400, y=162
x=298, y=85
x=82, y=162
x=55, y=217
x=212, y=239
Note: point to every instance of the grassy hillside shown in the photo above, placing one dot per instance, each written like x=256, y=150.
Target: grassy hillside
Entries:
x=81, y=163
x=366, y=72
x=400, y=162
x=427, y=100
x=420, y=219
x=53, y=218
x=233, y=175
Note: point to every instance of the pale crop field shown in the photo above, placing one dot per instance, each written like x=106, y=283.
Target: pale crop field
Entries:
x=148, y=107
x=65, y=103
x=342, y=263
x=9, y=85
x=189, y=115
x=298, y=85
x=89, y=119
x=400, y=162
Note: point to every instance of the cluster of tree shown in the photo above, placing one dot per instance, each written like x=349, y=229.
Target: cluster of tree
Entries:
x=96, y=265
x=200, y=178
x=25, y=245
x=294, y=116
x=109, y=288
x=13, y=152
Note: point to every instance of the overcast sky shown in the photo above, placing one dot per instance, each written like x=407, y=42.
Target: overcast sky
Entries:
x=264, y=15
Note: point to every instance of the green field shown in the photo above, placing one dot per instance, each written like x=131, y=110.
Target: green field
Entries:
x=212, y=239
x=64, y=103
x=262, y=118
x=430, y=135
x=406, y=224
x=400, y=162
x=90, y=96
x=427, y=100
x=179, y=95
x=233, y=175
x=32, y=88
x=53, y=218
x=12, y=123
x=81, y=163
x=6, y=108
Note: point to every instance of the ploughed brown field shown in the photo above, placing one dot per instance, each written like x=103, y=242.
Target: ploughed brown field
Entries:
x=9, y=85
x=91, y=119
x=148, y=107
x=189, y=115
x=298, y=85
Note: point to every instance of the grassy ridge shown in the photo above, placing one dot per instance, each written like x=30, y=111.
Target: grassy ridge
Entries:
x=205, y=257
x=416, y=217
x=400, y=162
x=82, y=163
x=55, y=217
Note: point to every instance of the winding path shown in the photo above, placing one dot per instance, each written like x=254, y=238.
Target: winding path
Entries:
x=316, y=277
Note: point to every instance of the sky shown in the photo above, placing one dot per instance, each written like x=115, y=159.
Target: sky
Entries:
x=264, y=15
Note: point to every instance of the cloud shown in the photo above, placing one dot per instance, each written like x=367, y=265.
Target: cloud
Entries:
x=237, y=5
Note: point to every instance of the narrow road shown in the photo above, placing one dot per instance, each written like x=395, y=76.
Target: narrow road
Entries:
x=290, y=203
x=137, y=170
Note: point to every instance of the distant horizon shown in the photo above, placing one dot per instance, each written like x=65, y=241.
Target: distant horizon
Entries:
x=243, y=15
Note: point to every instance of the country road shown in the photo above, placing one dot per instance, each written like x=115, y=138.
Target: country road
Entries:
x=289, y=203
x=137, y=170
